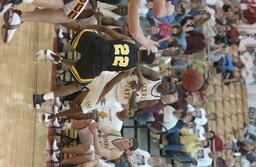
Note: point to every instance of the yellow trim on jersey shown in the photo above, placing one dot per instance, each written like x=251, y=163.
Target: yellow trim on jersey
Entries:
x=76, y=74
x=75, y=11
x=82, y=3
x=75, y=42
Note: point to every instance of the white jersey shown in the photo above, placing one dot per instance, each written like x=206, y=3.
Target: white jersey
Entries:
x=95, y=88
x=111, y=119
x=148, y=91
x=123, y=91
x=106, y=141
x=120, y=93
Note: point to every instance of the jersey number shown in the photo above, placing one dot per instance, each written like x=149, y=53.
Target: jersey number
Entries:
x=120, y=60
x=121, y=49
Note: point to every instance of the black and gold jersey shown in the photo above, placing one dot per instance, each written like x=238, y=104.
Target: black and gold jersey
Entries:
x=98, y=54
x=122, y=56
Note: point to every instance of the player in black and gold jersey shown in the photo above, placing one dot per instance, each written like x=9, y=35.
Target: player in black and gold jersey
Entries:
x=97, y=55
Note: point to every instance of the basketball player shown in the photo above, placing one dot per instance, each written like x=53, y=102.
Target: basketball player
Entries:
x=125, y=92
x=112, y=116
x=110, y=146
x=55, y=11
x=97, y=55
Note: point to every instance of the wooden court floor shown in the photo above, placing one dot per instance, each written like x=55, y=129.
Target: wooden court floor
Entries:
x=22, y=137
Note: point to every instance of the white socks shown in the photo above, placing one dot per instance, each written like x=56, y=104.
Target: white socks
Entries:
x=48, y=96
x=27, y=1
x=66, y=126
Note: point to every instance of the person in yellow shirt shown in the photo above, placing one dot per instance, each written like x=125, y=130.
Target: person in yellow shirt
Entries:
x=185, y=141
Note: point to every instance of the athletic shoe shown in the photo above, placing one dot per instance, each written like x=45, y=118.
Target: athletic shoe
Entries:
x=56, y=124
x=60, y=34
x=12, y=22
x=55, y=158
x=50, y=55
x=45, y=117
x=6, y=4
x=38, y=100
x=57, y=102
x=55, y=109
x=55, y=147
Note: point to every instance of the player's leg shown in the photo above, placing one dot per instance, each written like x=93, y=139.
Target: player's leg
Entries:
x=81, y=116
x=55, y=4
x=73, y=110
x=81, y=124
x=46, y=15
x=79, y=149
x=38, y=99
x=56, y=58
x=13, y=18
x=76, y=160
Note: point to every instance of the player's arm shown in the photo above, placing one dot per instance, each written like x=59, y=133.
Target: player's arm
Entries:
x=113, y=82
x=135, y=28
x=159, y=8
x=108, y=130
x=139, y=75
x=132, y=102
x=78, y=27
x=116, y=35
x=146, y=103
x=149, y=73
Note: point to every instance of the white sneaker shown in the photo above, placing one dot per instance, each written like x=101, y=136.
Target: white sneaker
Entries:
x=55, y=109
x=54, y=157
x=60, y=34
x=57, y=102
x=56, y=124
x=5, y=8
x=55, y=146
x=44, y=117
x=12, y=22
x=50, y=55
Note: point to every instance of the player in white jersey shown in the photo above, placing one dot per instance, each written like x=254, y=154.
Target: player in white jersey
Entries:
x=110, y=146
x=114, y=118
x=121, y=90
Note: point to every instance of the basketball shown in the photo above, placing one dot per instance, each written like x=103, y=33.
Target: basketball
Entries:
x=192, y=80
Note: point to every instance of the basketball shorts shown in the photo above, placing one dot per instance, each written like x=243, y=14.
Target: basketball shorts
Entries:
x=73, y=8
x=89, y=66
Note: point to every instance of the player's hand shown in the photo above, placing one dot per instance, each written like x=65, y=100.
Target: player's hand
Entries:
x=101, y=100
x=150, y=45
x=134, y=85
x=98, y=15
x=94, y=128
x=140, y=84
